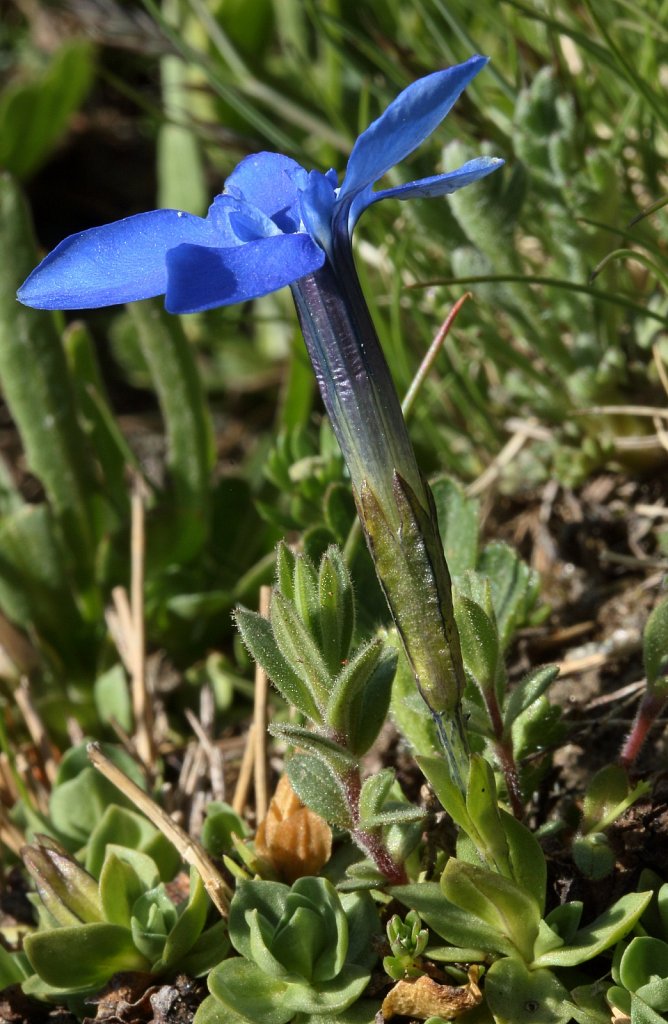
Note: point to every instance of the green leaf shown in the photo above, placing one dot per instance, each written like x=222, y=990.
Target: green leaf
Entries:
x=34, y=113
x=478, y=634
x=190, y=451
x=121, y=884
x=337, y=609
x=457, y=523
x=285, y=571
x=37, y=386
x=129, y=829
x=598, y=936
x=220, y=824
x=306, y=596
x=527, y=860
x=374, y=793
x=457, y=926
x=448, y=793
x=655, y=644
x=497, y=901
x=12, y=970
x=153, y=917
x=514, y=588
x=83, y=957
x=210, y=948
x=212, y=1011
x=607, y=796
x=112, y=452
x=483, y=809
x=332, y=755
x=317, y=787
x=564, y=920
x=593, y=855
x=81, y=795
x=298, y=647
x=246, y=990
x=526, y=692
x=644, y=970
x=516, y=995
x=112, y=697
x=349, y=683
x=369, y=709
x=258, y=636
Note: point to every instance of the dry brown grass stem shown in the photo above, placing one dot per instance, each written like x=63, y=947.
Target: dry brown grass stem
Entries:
x=10, y=834
x=190, y=850
x=245, y=773
x=126, y=625
x=141, y=698
x=37, y=729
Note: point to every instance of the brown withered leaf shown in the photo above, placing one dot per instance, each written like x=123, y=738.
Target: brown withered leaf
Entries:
x=293, y=839
x=423, y=997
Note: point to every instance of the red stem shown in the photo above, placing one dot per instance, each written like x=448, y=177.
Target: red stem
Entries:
x=370, y=841
x=648, y=710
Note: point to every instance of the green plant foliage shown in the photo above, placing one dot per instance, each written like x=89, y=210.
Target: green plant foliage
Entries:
x=90, y=930
x=36, y=108
x=307, y=649
x=303, y=951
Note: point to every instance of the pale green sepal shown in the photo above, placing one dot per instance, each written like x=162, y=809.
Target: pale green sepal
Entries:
x=598, y=936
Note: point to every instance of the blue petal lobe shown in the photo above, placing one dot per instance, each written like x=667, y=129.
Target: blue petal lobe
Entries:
x=407, y=122
x=317, y=204
x=118, y=262
x=427, y=188
x=203, y=278
x=272, y=182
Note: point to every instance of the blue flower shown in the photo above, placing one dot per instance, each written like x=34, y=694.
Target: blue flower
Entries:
x=274, y=224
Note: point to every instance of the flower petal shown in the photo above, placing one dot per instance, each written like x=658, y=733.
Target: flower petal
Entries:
x=272, y=182
x=407, y=122
x=119, y=262
x=439, y=184
x=203, y=278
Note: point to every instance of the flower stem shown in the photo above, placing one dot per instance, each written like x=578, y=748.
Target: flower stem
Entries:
x=394, y=503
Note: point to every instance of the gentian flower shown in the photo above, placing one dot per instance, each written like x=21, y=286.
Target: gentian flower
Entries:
x=277, y=224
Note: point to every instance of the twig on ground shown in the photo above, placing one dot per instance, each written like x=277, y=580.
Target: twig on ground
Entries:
x=189, y=849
